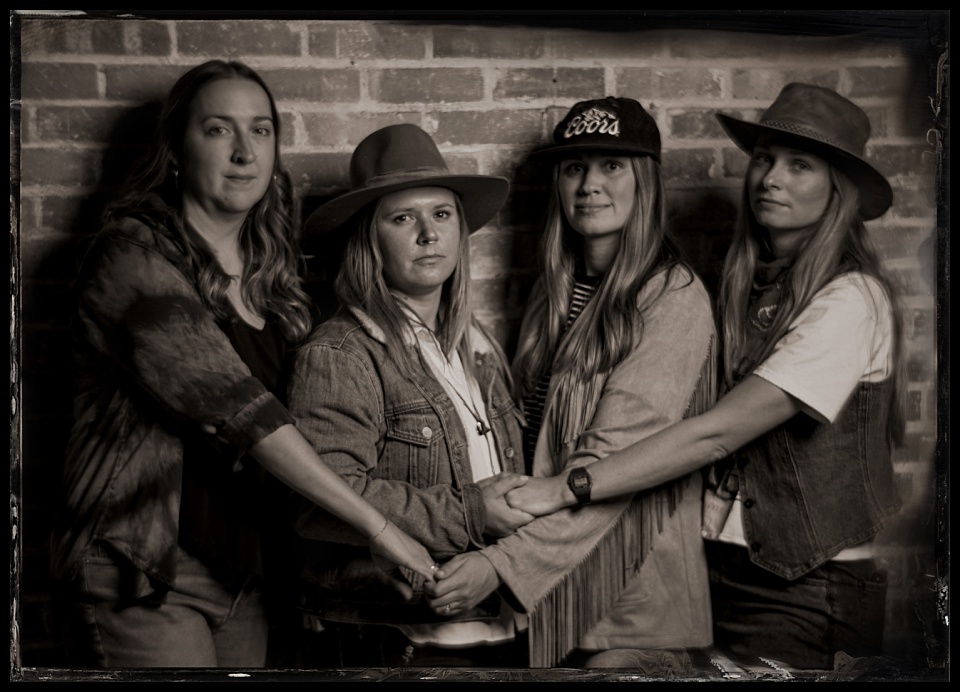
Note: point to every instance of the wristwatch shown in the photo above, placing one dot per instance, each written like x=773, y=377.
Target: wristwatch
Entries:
x=580, y=483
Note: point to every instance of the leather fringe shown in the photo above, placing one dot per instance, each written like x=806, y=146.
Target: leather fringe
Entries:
x=579, y=600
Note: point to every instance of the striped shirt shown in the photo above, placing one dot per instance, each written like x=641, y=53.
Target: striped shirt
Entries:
x=584, y=288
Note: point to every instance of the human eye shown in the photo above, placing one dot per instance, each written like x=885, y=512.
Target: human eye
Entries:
x=217, y=130
x=761, y=157
x=400, y=219
x=614, y=165
x=571, y=167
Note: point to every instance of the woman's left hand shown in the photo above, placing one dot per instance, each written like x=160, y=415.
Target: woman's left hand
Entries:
x=392, y=548
x=461, y=584
x=539, y=496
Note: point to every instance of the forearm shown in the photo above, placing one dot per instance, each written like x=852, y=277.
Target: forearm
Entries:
x=287, y=455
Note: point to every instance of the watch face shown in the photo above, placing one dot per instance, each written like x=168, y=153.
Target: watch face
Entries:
x=581, y=482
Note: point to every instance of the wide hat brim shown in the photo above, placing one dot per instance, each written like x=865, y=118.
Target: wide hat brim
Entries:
x=481, y=197
x=876, y=195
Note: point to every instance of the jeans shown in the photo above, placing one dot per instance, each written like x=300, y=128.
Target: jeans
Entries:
x=201, y=622
x=839, y=606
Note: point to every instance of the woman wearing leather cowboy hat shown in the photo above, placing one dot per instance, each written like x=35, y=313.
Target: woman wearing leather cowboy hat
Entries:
x=617, y=343
x=803, y=436
x=404, y=395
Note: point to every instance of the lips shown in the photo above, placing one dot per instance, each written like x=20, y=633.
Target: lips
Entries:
x=769, y=202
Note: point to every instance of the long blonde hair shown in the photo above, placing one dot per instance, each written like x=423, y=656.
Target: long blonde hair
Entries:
x=607, y=329
x=840, y=243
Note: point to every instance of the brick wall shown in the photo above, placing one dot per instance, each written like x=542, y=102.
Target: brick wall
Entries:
x=488, y=94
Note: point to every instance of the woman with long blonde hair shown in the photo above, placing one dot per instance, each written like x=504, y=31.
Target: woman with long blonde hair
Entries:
x=617, y=343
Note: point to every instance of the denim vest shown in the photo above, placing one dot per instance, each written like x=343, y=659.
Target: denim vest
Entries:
x=811, y=489
x=408, y=458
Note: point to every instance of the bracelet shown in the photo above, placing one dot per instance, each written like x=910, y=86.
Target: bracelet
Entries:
x=385, y=524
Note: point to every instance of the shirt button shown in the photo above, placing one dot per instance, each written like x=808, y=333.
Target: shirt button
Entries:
x=427, y=432
x=509, y=452
x=748, y=503
x=755, y=546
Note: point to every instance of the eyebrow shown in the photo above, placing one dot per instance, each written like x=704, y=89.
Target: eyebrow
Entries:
x=230, y=118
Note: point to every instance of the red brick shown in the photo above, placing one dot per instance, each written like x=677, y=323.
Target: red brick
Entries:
x=372, y=40
x=52, y=167
x=150, y=38
x=694, y=123
x=640, y=83
x=765, y=84
x=699, y=45
x=141, y=83
x=338, y=129
x=321, y=85
x=322, y=40
x=606, y=45
x=416, y=85
x=867, y=82
x=519, y=128
x=735, y=162
x=485, y=42
x=61, y=212
x=318, y=171
x=548, y=82
x=900, y=160
x=687, y=166
x=76, y=123
x=237, y=39
x=58, y=81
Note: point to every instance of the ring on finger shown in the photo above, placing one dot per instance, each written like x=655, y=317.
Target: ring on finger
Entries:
x=446, y=608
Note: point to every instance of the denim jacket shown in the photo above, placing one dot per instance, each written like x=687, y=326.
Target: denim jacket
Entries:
x=153, y=366
x=811, y=489
x=397, y=439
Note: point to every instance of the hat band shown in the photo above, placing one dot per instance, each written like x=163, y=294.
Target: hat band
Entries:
x=803, y=132
x=405, y=176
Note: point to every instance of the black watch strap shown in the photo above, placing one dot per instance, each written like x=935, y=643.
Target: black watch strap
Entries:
x=580, y=483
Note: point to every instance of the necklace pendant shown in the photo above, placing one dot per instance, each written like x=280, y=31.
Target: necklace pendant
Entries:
x=482, y=428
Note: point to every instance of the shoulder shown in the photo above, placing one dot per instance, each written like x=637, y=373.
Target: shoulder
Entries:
x=339, y=331
x=131, y=236
x=678, y=292
x=859, y=289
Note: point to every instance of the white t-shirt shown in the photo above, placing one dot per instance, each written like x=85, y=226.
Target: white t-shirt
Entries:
x=842, y=338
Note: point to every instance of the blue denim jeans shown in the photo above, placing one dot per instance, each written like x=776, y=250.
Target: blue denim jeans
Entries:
x=201, y=622
x=839, y=606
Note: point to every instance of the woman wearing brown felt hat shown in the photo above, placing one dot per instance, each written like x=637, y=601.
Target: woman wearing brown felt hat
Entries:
x=801, y=441
x=404, y=394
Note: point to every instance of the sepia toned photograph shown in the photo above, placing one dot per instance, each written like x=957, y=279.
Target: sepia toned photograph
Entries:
x=479, y=346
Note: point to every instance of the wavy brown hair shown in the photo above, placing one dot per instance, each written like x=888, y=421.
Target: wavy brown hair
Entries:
x=271, y=281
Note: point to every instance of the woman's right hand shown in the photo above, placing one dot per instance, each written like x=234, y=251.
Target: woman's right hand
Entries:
x=392, y=548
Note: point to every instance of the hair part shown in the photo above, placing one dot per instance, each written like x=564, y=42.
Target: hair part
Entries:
x=271, y=282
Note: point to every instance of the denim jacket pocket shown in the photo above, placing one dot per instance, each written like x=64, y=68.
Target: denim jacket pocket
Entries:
x=412, y=446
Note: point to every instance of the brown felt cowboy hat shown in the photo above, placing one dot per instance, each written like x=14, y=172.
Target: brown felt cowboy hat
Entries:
x=825, y=123
x=400, y=157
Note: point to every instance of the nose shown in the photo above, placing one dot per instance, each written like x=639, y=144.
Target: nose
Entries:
x=589, y=180
x=771, y=179
x=243, y=151
x=428, y=233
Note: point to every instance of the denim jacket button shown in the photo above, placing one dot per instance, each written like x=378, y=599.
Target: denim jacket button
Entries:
x=427, y=432
x=755, y=546
x=748, y=503
x=509, y=452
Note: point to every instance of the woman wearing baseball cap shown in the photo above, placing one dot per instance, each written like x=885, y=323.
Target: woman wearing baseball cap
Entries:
x=407, y=398
x=802, y=438
x=618, y=342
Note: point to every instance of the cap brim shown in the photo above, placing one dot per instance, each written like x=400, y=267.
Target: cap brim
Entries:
x=559, y=150
x=876, y=195
x=481, y=196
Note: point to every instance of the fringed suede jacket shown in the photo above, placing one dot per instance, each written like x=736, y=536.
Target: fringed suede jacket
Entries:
x=630, y=573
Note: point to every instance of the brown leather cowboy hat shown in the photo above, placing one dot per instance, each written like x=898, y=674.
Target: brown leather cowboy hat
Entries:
x=400, y=157
x=825, y=123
